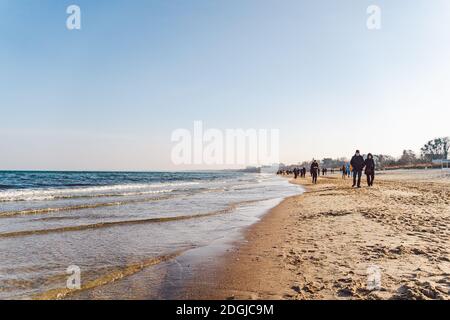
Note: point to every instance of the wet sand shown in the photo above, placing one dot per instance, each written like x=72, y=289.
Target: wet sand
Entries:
x=330, y=241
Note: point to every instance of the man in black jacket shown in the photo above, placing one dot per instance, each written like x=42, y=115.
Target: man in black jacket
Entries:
x=357, y=164
x=314, y=171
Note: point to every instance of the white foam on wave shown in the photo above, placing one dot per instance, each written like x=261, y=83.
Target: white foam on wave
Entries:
x=97, y=191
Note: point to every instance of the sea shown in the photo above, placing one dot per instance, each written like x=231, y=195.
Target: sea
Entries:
x=73, y=234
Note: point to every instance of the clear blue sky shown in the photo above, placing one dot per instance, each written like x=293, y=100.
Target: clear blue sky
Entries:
x=109, y=96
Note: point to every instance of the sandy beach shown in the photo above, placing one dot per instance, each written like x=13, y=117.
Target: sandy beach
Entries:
x=330, y=241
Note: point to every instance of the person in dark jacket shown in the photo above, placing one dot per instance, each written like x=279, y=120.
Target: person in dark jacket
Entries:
x=314, y=171
x=370, y=169
x=357, y=164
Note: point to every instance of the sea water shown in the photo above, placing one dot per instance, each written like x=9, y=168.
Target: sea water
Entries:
x=112, y=225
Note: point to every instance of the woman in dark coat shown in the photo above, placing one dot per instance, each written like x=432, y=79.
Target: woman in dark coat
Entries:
x=370, y=169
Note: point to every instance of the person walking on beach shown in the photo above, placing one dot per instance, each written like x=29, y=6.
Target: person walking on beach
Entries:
x=344, y=171
x=357, y=164
x=369, y=163
x=314, y=171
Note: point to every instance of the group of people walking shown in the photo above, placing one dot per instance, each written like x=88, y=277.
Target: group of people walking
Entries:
x=299, y=172
x=355, y=167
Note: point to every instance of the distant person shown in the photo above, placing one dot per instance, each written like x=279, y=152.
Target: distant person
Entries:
x=344, y=171
x=314, y=171
x=295, y=173
x=357, y=164
x=304, y=172
x=370, y=169
x=348, y=169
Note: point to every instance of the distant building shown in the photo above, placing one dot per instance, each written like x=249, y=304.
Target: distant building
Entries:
x=443, y=162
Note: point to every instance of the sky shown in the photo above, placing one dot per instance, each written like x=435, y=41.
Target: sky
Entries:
x=109, y=96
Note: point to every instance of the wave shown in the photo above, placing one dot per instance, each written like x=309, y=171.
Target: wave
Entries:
x=79, y=207
x=87, y=196
x=88, y=192
x=111, y=276
x=110, y=224
x=6, y=186
x=102, y=204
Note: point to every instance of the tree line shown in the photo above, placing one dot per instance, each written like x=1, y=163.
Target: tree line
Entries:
x=435, y=149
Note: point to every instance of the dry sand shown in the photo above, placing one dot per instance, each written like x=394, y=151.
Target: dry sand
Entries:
x=328, y=242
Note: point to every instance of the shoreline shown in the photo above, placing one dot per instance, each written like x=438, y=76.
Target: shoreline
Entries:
x=171, y=277
x=207, y=280
x=327, y=242
x=116, y=231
